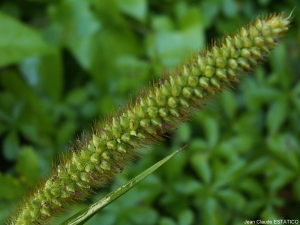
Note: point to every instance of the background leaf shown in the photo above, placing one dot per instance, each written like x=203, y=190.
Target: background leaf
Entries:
x=11, y=146
x=19, y=41
x=29, y=171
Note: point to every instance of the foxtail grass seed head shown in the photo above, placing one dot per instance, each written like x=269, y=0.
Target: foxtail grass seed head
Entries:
x=101, y=153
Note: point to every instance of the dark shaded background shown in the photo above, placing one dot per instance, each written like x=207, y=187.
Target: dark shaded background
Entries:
x=66, y=63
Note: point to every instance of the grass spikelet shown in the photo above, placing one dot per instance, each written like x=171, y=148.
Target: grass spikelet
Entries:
x=102, y=152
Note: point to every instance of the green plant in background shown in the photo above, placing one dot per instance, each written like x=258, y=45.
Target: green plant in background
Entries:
x=103, y=151
x=228, y=173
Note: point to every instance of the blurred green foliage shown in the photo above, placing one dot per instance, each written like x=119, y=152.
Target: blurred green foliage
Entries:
x=65, y=63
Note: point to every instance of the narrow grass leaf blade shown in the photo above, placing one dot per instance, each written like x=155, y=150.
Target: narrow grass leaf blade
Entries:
x=84, y=215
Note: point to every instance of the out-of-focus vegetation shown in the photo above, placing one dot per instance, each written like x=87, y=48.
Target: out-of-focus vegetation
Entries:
x=65, y=63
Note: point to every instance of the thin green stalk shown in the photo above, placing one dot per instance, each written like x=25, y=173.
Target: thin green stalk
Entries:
x=85, y=214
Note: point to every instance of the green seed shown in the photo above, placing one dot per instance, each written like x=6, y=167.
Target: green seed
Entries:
x=89, y=168
x=132, y=133
x=166, y=90
x=75, y=177
x=145, y=123
x=48, y=193
x=126, y=137
x=196, y=70
x=228, y=42
x=70, y=187
x=186, y=70
x=121, y=148
x=48, y=184
x=245, y=53
x=201, y=63
x=232, y=63
x=80, y=166
x=184, y=102
x=187, y=92
x=225, y=52
x=99, y=149
x=231, y=72
x=163, y=112
x=221, y=62
x=192, y=81
x=244, y=32
x=124, y=121
x=216, y=52
x=174, y=112
x=221, y=73
x=181, y=80
x=235, y=53
x=85, y=177
x=156, y=122
x=105, y=155
x=111, y=145
x=209, y=71
x=85, y=155
x=270, y=41
x=96, y=140
x=160, y=99
x=204, y=82
x=247, y=42
x=210, y=60
x=56, y=192
x=105, y=165
x=116, y=128
x=141, y=112
x=259, y=41
x=152, y=111
x=176, y=90
x=95, y=158
x=238, y=42
x=34, y=214
x=244, y=63
x=255, y=51
x=215, y=82
x=150, y=101
x=172, y=102
x=56, y=201
x=198, y=92
x=45, y=211
x=140, y=135
x=253, y=31
x=65, y=194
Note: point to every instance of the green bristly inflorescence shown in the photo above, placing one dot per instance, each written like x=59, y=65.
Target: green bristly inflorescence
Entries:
x=111, y=144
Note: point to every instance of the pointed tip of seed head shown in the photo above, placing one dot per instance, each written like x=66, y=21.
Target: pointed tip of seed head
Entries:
x=290, y=17
x=285, y=21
